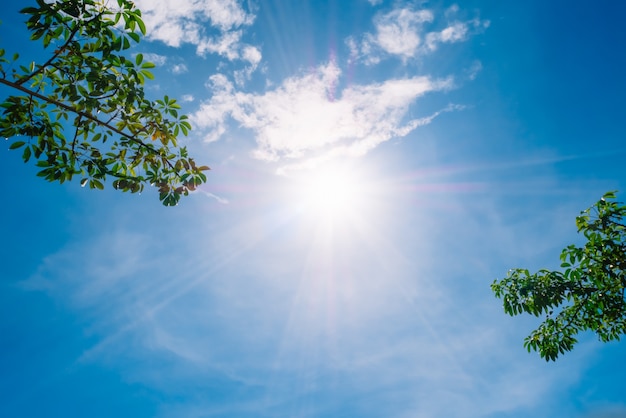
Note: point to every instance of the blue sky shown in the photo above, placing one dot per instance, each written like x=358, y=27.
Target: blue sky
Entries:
x=375, y=166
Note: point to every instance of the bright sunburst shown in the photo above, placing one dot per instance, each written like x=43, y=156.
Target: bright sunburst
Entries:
x=330, y=192
x=333, y=193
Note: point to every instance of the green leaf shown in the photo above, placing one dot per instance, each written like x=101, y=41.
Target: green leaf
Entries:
x=147, y=74
x=16, y=144
x=29, y=10
x=142, y=26
x=26, y=154
x=96, y=184
x=135, y=38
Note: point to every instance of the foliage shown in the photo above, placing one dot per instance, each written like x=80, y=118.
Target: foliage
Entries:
x=587, y=295
x=84, y=113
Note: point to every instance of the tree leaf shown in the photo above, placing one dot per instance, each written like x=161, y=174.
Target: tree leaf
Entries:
x=16, y=144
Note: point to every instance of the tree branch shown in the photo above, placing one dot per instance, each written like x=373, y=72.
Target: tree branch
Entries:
x=86, y=115
x=52, y=58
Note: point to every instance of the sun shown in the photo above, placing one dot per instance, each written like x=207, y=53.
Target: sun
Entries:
x=332, y=192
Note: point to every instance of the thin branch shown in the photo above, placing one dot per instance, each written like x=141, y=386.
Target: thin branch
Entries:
x=572, y=318
x=75, y=136
x=86, y=115
x=58, y=52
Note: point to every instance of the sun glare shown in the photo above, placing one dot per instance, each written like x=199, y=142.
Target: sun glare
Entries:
x=330, y=193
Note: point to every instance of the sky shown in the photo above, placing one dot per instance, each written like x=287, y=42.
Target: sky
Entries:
x=375, y=165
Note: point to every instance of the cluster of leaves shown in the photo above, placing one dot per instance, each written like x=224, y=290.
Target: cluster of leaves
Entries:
x=84, y=113
x=588, y=295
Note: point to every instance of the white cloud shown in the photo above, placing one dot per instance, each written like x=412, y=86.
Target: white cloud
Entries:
x=160, y=60
x=175, y=22
x=252, y=55
x=474, y=69
x=179, y=68
x=219, y=199
x=155, y=58
x=226, y=45
x=452, y=10
x=353, y=48
x=307, y=118
x=398, y=32
x=401, y=33
x=184, y=21
x=455, y=32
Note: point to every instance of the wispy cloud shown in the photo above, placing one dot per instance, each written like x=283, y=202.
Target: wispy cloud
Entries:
x=219, y=199
x=162, y=60
x=401, y=32
x=308, y=117
x=474, y=69
x=155, y=58
x=187, y=98
x=278, y=330
x=179, y=68
x=111, y=266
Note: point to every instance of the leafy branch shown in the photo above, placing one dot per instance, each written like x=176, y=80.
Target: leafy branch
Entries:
x=85, y=78
x=588, y=295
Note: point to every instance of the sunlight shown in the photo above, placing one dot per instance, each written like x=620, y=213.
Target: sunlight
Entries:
x=330, y=192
